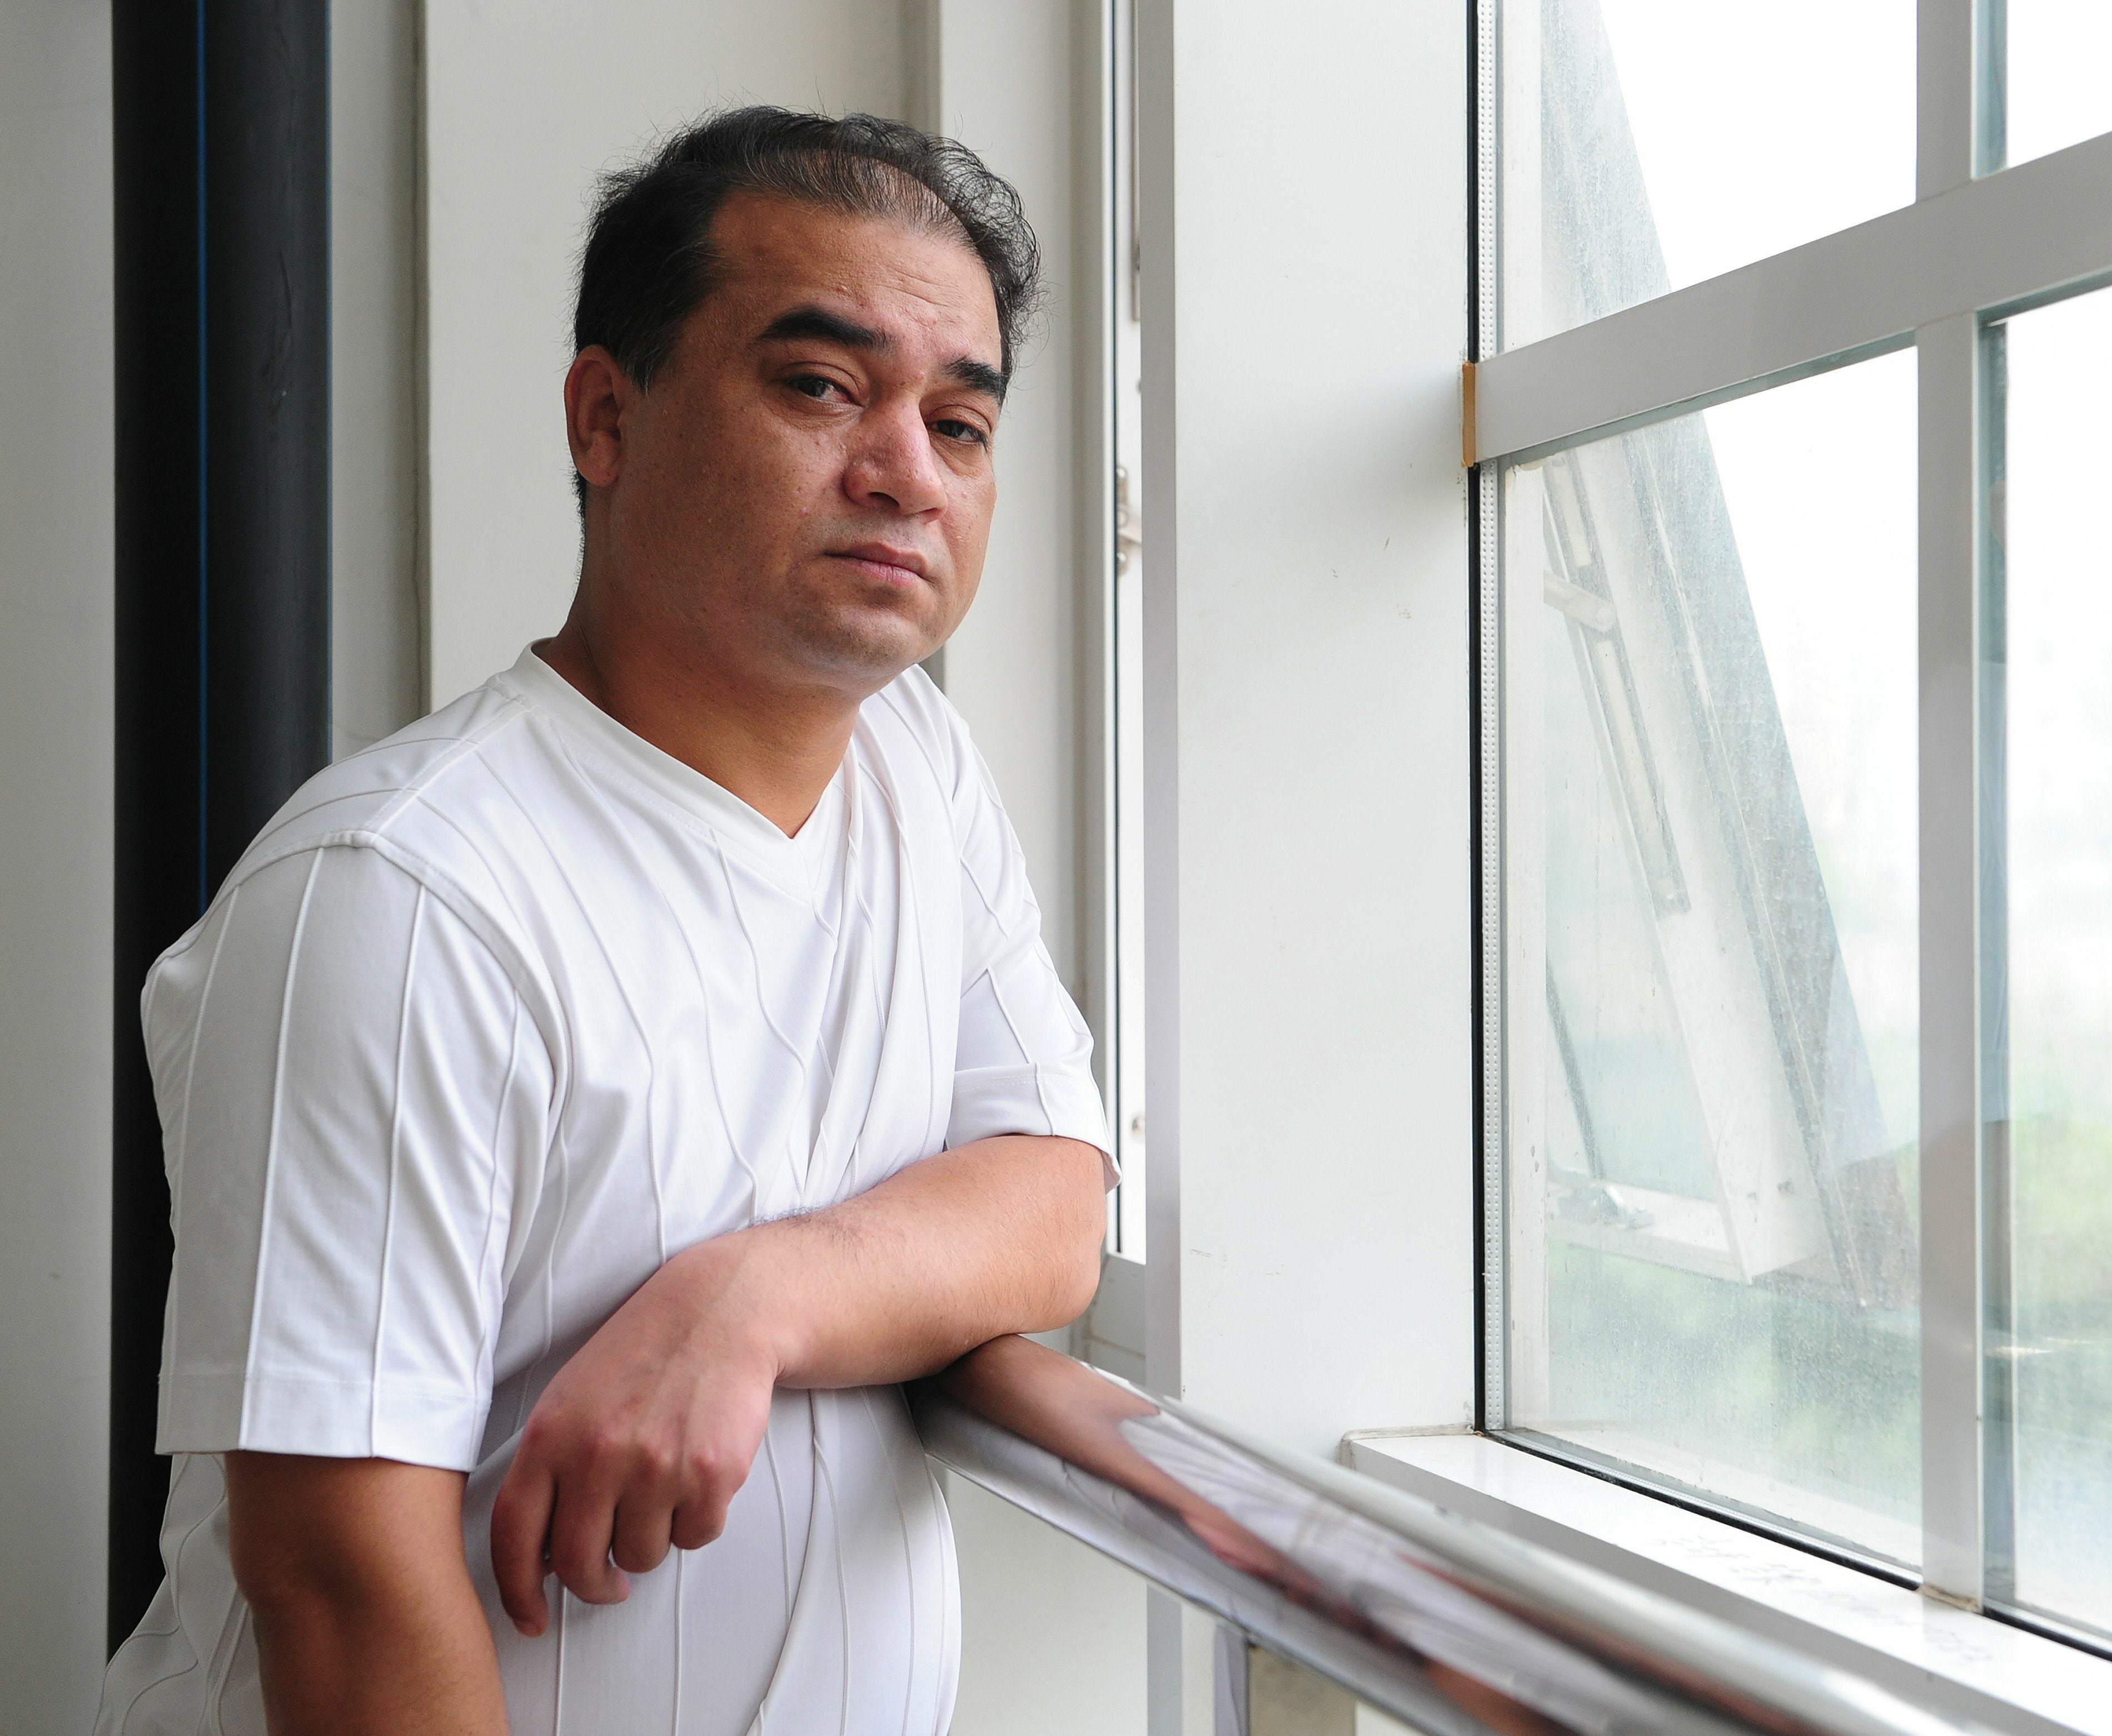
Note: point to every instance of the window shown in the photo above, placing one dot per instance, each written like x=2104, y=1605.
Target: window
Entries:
x=2047, y=87
x=1709, y=728
x=1649, y=144
x=1127, y=649
x=1796, y=908
x=2046, y=756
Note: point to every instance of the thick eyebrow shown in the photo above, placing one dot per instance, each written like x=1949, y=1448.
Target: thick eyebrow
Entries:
x=819, y=324
x=977, y=376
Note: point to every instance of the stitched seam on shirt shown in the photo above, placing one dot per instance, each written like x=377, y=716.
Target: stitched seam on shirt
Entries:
x=755, y=970
x=253, y=1375
x=421, y=870
x=508, y=714
x=498, y=939
x=908, y=896
x=948, y=778
x=623, y=993
x=219, y=1690
x=886, y=1447
x=847, y=1186
x=272, y=1137
x=711, y=1055
x=488, y=1346
x=653, y=1153
x=464, y=906
x=395, y=1166
x=184, y=1124
x=843, y=1579
x=176, y=1579
x=1019, y=1040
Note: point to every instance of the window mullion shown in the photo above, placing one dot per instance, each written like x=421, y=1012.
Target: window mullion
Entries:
x=1947, y=114
x=1951, y=1472
x=1950, y=1130
x=1492, y=1253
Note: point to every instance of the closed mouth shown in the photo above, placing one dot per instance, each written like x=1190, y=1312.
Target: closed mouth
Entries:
x=881, y=555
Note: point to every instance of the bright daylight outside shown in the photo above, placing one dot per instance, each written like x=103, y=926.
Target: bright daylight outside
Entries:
x=1709, y=720
x=2051, y=1375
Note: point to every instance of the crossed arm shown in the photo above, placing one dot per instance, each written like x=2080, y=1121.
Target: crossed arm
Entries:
x=366, y=1619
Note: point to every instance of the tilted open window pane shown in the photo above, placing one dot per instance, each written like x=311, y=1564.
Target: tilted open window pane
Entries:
x=1710, y=952
x=2049, y=1100
x=2053, y=89
x=1648, y=144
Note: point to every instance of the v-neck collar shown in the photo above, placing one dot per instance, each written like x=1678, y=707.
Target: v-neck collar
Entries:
x=800, y=859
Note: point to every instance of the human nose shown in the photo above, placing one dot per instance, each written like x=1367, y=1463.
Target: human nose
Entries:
x=892, y=462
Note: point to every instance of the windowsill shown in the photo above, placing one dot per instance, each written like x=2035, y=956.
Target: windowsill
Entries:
x=1960, y=1665
x=1111, y=1334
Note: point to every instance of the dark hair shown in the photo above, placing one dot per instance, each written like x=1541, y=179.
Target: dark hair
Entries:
x=649, y=261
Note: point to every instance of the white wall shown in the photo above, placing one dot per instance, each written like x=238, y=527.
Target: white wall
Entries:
x=1310, y=986
x=56, y=648
x=377, y=617
x=1303, y=226
x=1052, y=1632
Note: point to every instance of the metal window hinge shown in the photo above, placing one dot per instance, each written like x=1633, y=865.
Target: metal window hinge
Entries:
x=1129, y=523
x=1467, y=452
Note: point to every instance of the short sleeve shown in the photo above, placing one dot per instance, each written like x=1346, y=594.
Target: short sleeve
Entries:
x=353, y=1104
x=1023, y=1061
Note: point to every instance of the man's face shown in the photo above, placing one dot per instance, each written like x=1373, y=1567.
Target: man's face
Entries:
x=808, y=487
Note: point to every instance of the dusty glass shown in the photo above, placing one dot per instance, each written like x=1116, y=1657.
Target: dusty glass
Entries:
x=1644, y=145
x=1709, y=934
x=2051, y=84
x=2048, y=771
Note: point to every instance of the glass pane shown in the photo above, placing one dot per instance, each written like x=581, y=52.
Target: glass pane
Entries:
x=1126, y=657
x=1710, y=953
x=1648, y=144
x=2058, y=93
x=2053, y=1377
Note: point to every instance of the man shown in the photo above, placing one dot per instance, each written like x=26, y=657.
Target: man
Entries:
x=582, y=1108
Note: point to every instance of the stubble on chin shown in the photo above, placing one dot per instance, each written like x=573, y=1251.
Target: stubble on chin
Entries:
x=865, y=647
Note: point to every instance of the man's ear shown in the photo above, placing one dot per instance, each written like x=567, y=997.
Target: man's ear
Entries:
x=597, y=393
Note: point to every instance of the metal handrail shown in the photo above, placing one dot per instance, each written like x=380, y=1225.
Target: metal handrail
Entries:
x=1453, y=1627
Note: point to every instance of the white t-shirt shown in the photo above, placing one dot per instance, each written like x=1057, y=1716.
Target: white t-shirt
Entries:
x=492, y=1020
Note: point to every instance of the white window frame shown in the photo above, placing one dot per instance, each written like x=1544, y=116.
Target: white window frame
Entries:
x=1970, y=1671
x=1974, y=247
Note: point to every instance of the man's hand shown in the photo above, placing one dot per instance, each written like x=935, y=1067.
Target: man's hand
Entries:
x=643, y=1438
x=640, y=1442
x=349, y=1562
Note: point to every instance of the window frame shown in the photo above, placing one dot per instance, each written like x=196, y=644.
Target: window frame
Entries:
x=1980, y=243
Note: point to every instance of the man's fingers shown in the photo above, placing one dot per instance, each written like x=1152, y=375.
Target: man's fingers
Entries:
x=520, y=1527
x=696, y=1523
x=643, y=1524
x=582, y=1529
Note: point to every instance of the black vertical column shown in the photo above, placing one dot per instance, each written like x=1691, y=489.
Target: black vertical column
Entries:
x=221, y=158
x=268, y=411
x=160, y=819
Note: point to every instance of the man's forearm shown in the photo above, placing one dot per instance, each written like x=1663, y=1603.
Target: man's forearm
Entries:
x=331, y=1669
x=641, y=1441
x=365, y=1618
x=1000, y=1236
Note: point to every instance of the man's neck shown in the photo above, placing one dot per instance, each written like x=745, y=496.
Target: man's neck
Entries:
x=775, y=750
